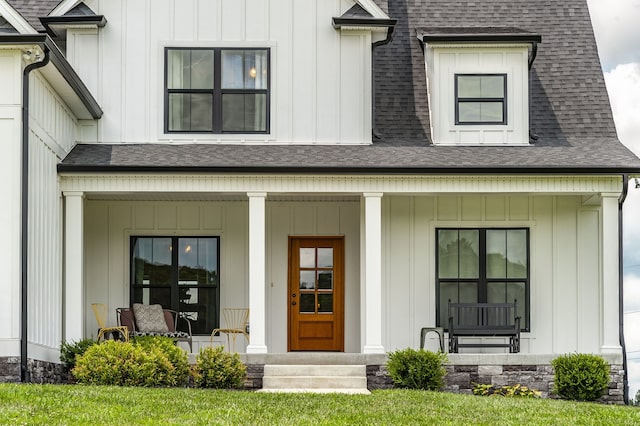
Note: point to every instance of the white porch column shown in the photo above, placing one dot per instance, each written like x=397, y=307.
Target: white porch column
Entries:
x=257, y=271
x=371, y=284
x=74, y=266
x=610, y=275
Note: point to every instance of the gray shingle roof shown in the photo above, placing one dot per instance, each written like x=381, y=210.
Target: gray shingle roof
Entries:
x=570, y=109
x=31, y=10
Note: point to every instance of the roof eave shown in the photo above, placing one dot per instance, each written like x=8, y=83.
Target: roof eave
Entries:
x=61, y=64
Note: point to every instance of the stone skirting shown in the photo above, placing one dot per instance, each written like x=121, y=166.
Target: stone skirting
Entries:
x=462, y=378
x=10, y=369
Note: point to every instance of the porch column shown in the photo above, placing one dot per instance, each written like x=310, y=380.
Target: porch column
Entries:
x=257, y=271
x=610, y=275
x=371, y=285
x=74, y=266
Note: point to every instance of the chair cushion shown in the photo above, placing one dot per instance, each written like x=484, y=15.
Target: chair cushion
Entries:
x=173, y=335
x=150, y=318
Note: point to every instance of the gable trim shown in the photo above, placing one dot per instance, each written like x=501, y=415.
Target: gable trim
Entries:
x=373, y=9
x=64, y=7
x=15, y=18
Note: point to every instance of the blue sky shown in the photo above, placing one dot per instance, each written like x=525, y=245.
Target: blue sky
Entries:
x=617, y=27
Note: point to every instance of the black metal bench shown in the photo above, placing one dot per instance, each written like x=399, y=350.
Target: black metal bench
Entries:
x=484, y=320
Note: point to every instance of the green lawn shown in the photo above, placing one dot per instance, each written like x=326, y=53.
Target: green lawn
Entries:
x=69, y=404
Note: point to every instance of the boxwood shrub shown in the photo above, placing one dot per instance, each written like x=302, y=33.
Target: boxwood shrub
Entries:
x=218, y=369
x=150, y=362
x=580, y=377
x=417, y=369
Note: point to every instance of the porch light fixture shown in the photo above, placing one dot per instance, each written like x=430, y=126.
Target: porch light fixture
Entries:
x=637, y=183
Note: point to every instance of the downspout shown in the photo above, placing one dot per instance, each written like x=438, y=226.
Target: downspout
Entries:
x=625, y=379
x=387, y=40
x=24, y=231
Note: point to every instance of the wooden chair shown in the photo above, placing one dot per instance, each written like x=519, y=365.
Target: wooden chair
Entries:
x=236, y=321
x=100, y=311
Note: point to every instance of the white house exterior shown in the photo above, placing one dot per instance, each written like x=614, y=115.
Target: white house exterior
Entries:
x=241, y=131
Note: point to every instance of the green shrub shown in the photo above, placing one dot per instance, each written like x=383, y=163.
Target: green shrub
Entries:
x=580, y=377
x=508, y=391
x=218, y=369
x=417, y=369
x=177, y=356
x=69, y=351
x=129, y=364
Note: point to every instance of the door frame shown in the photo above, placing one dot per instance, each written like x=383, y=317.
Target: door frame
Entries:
x=338, y=290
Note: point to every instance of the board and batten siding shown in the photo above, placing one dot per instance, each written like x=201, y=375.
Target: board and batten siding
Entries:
x=320, y=77
x=109, y=225
x=10, y=129
x=565, y=245
x=53, y=130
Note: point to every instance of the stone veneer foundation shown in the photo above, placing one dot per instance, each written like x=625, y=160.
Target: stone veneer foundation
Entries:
x=463, y=371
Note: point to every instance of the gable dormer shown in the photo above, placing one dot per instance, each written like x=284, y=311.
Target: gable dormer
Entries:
x=478, y=84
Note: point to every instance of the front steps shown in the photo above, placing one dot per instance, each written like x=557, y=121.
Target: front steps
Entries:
x=325, y=378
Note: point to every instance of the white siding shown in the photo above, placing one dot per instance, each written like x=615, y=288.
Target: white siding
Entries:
x=320, y=78
x=565, y=241
x=53, y=131
x=10, y=129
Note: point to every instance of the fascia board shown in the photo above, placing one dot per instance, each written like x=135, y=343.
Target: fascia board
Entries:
x=15, y=18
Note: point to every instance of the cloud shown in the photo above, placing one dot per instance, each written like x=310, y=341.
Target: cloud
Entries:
x=623, y=84
x=616, y=28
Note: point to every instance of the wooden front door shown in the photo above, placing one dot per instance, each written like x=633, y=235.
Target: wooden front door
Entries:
x=316, y=294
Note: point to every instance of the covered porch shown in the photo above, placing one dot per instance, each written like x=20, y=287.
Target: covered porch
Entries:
x=388, y=227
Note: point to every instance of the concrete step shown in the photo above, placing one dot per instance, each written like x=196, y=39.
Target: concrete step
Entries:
x=315, y=378
x=316, y=370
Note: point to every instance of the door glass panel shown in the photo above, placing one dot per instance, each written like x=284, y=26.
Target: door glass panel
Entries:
x=325, y=258
x=325, y=280
x=307, y=280
x=308, y=303
x=325, y=303
x=307, y=258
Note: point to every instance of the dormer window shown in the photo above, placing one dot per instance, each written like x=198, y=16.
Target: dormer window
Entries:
x=481, y=98
x=478, y=84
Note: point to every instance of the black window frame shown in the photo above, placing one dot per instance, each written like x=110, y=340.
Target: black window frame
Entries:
x=217, y=92
x=482, y=279
x=174, y=286
x=459, y=100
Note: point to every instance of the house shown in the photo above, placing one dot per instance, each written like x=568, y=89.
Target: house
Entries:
x=342, y=168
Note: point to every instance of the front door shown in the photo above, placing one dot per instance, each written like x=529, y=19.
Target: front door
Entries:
x=316, y=294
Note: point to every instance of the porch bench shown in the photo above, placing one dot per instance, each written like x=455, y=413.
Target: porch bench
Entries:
x=484, y=320
x=126, y=317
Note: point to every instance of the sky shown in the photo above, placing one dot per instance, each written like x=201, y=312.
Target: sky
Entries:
x=616, y=25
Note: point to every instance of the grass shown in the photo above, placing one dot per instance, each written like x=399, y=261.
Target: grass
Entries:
x=70, y=405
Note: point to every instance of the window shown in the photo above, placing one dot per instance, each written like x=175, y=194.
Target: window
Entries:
x=179, y=273
x=482, y=266
x=215, y=90
x=481, y=98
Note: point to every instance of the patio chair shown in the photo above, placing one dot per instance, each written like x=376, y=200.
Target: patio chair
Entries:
x=236, y=321
x=100, y=312
x=168, y=327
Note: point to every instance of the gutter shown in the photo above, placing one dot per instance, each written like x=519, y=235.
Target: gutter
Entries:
x=24, y=224
x=623, y=197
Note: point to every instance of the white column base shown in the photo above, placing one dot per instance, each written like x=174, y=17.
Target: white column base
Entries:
x=257, y=349
x=371, y=349
x=611, y=349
